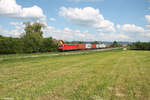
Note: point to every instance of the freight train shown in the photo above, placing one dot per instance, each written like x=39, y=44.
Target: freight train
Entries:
x=66, y=47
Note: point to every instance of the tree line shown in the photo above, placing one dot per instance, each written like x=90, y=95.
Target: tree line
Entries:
x=140, y=46
x=31, y=41
x=134, y=46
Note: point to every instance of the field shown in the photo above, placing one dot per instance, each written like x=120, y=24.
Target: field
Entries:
x=105, y=75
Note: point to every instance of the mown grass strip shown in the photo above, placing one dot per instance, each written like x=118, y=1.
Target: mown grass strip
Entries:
x=108, y=75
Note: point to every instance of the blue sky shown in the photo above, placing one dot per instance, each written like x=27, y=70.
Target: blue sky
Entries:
x=103, y=20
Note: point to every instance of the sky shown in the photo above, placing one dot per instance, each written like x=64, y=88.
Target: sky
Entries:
x=79, y=20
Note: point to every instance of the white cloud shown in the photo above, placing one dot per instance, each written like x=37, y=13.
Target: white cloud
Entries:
x=68, y=34
x=16, y=32
x=74, y=35
x=11, y=9
x=147, y=17
x=85, y=0
x=122, y=36
x=148, y=26
x=133, y=30
x=52, y=19
x=125, y=34
x=88, y=17
x=147, y=33
x=18, y=29
x=130, y=28
x=3, y=31
x=114, y=36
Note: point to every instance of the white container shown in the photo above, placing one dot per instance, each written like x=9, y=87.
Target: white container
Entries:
x=102, y=45
x=97, y=45
x=88, y=46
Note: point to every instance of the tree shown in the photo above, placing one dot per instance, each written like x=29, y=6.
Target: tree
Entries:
x=9, y=45
x=31, y=41
x=95, y=42
x=140, y=46
x=32, y=37
x=48, y=45
x=115, y=44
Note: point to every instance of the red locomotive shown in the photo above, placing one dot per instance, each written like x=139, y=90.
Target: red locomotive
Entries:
x=64, y=47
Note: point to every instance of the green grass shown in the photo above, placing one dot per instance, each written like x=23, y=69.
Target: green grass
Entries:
x=107, y=75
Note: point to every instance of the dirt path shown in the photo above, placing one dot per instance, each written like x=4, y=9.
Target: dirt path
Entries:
x=56, y=54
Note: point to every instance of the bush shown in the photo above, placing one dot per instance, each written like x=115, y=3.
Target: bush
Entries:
x=48, y=45
x=32, y=41
x=10, y=45
x=140, y=46
x=115, y=44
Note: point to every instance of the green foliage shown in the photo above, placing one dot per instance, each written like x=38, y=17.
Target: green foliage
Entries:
x=115, y=44
x=95, y=42
x=33, y=37
x=32, y=41
x=140, y=46
x=10, y=45
x=48, y=45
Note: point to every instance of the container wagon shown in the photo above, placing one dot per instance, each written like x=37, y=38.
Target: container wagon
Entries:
x=64, y=47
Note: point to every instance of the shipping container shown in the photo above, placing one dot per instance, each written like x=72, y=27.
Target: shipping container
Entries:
x=88, y=46
x=97, y=46
x=62, y=46
x=81, y=46
x=93, y=46
x=102, y=45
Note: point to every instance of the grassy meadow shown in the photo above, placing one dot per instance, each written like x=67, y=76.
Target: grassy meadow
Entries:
x=106, y=75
